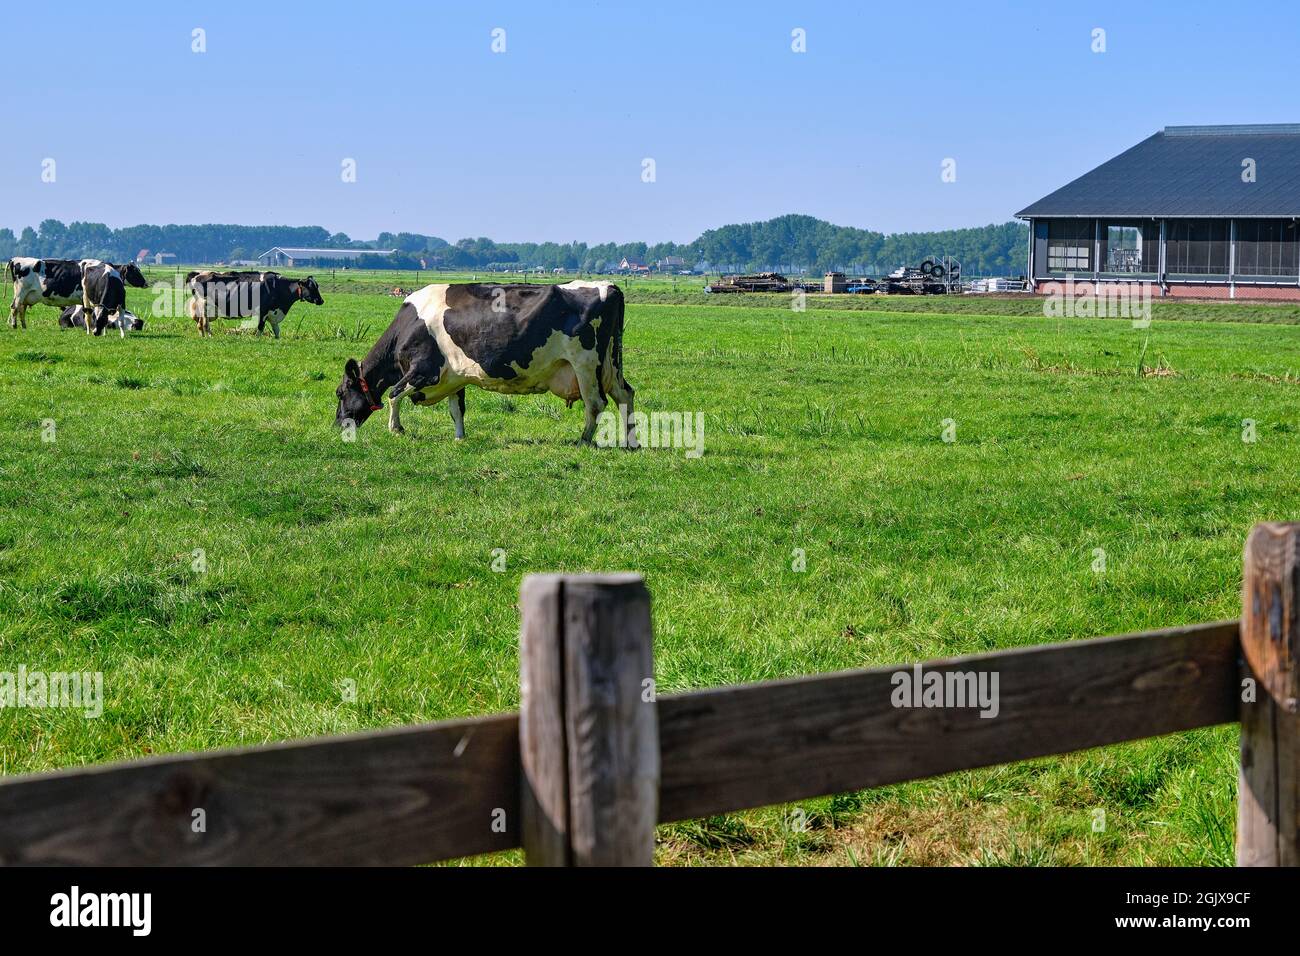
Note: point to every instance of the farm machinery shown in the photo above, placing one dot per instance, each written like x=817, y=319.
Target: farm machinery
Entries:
x=935, y=276
x=938, y=275
x=761, y=282
x=932, y=277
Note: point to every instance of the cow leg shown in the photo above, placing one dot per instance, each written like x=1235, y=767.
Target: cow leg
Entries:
x=276, y=319
x=417, y=379
x=622, y=393
x=199, y=313
x=121, y=322
x=456, y=404
x=399, y=391
x=101, y=320
x=593, y=400
x=394, y=417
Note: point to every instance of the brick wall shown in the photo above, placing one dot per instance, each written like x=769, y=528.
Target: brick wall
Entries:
x=1257, y=293
x=1247, y=293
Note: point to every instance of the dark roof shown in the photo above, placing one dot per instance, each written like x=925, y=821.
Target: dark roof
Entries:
x=1189, y=171
x=297, y=252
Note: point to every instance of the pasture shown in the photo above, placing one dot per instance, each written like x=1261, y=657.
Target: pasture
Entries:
x=198, y=531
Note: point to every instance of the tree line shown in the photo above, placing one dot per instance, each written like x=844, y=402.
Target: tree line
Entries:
x=791, y=243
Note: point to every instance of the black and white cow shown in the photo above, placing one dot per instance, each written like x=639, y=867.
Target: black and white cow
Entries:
x=103, y=292
x=55, y=282
x=74, y=317
x=244, y=295
x=516, y=339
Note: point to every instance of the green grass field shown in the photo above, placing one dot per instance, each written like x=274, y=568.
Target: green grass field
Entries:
x=327, y=562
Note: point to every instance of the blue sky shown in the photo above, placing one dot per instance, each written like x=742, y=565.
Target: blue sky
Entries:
x=546, y=140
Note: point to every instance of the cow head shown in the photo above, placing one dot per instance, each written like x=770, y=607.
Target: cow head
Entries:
x=132, y=275
x=309, y=291
x=357, y=397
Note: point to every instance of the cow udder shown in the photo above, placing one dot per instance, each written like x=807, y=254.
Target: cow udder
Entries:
x=564, y=383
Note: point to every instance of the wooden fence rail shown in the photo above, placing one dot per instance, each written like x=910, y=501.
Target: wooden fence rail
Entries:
x=595, y=758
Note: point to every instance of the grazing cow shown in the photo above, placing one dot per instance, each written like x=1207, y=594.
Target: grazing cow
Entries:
x=55, y=282
x=516, y=339
x=103, y=293
x=243, y=295
x=73, y=317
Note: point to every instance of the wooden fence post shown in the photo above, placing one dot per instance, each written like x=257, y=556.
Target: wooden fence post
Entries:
x=1269, y=784
x=588, y=732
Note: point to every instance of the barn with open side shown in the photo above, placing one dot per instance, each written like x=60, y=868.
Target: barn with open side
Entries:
x=291, y=257
x=1200, y=211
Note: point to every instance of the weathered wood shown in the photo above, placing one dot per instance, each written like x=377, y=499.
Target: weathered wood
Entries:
x=403, y=796
x=610, y=721
x=588, y=736
x=419, y=794
x=544, y=797
x=1268, y=793
x=758, y=744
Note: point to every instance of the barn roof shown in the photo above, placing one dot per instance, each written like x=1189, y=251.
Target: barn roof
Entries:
x=302, y=253
x=1189, y=171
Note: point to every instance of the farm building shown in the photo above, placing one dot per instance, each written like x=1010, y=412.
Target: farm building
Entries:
x=283, y=256
x=159, y=258
x=1201, y=211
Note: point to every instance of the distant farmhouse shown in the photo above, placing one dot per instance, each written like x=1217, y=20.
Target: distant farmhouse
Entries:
x=159, y=258
x=671, y=263
x=632, y=265
x=291, y=258
x=1202, y=211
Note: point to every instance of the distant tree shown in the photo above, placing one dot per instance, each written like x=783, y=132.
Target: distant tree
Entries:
x=789, y=242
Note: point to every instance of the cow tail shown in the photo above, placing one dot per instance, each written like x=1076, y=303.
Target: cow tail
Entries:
x=616, y=340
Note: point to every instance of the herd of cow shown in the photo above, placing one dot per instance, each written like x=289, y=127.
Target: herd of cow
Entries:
x=92, y=294
x=514, y=339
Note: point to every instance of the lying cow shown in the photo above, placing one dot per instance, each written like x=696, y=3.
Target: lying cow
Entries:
x=243, y=295
x=103, y=292
x=516, y=339
x=74, y=317
x=55, y=282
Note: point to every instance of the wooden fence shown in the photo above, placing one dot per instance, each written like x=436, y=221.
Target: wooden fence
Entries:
x=581, y=775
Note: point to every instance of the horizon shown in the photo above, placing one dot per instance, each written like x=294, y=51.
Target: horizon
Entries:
x=451, y=139
x=18, y=229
